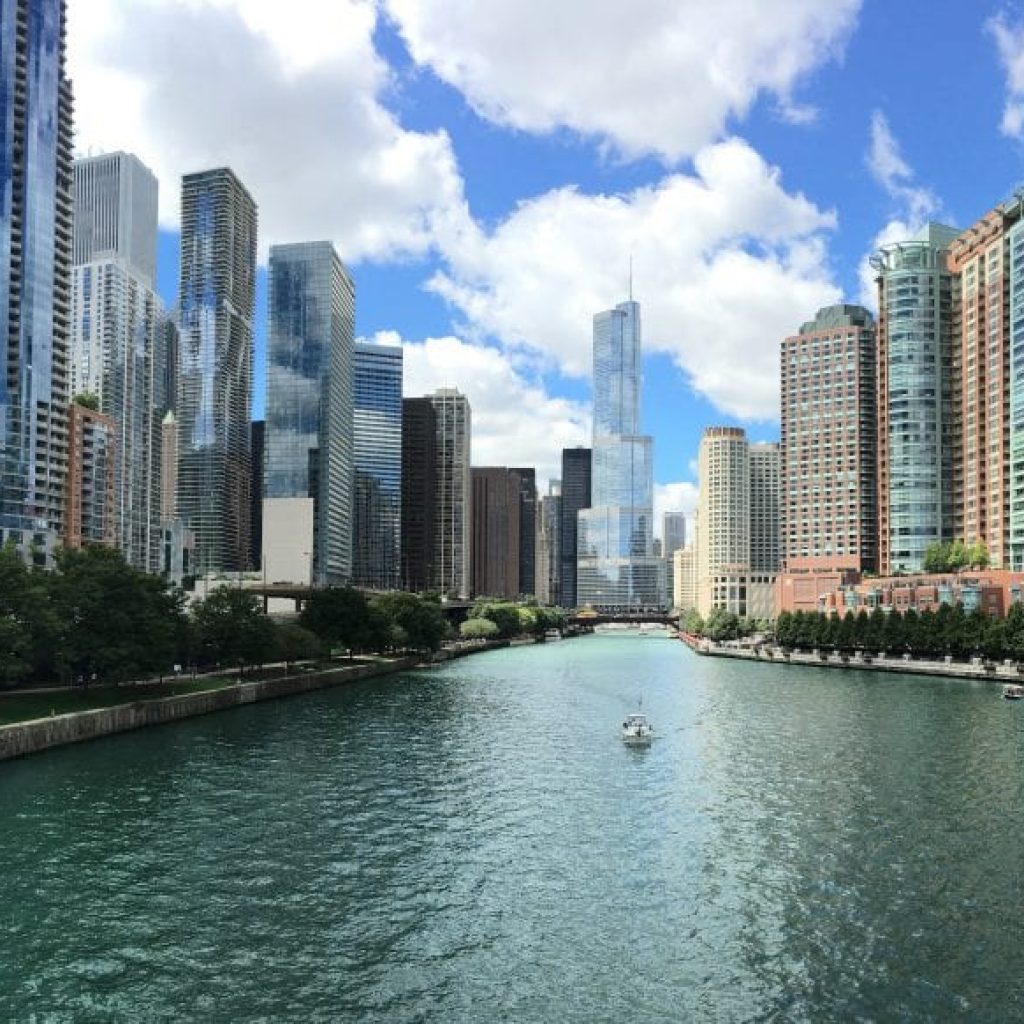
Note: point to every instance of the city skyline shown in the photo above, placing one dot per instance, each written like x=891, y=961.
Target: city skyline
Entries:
x=744, y=211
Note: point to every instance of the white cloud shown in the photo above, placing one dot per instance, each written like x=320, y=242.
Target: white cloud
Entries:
x=285, y=94
x=726, y=264
x=914, y=204
x=1009, y=40
x=650, y=76
x=894, y=174
x=515, y=421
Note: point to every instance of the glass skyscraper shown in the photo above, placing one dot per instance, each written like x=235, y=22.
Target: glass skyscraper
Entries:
x=915, y=398
x=116, y=336
x=35, y=270
x=218, y=274
x=377, y=430
x=309, y=409
x=616, y=565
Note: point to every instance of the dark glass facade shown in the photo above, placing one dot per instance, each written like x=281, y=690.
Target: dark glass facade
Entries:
x=35, y=266
x=310, y=343
x=576, y=469
x=419, y=494
x=377, y=423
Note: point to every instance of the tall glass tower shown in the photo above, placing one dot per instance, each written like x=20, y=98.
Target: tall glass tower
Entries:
x=617, y=569
x=35, y=270
x=116, y=336
x=377, y=423
x=217, y=293
x=309, y=396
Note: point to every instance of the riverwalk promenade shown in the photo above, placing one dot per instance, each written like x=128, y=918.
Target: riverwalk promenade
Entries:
x=975, y=668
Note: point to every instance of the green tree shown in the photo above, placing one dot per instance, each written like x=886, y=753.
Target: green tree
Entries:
x=478, y=629
x=116, y=622
x=721, y=625
x=692, y=622
x=977, y=555
x=28, y=628
x=936, y=558
x=232, y=628
x=893, y=635
x=958, y=556
x=422, y=622
x=296, y=643
x=1014, y=632
x=341, y=617
x=846, y=633
x=502, y=613
x=87, y=400
x=784, y=629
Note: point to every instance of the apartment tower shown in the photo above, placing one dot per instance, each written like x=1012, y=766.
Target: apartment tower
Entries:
x=916, y=425
x=576, y=480
x=116, y=335
x=828, y=443
x=419, y=494
x=217, y=282
x=453, y=493
x=35, y=273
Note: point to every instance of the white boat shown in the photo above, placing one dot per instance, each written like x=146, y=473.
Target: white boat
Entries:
x=1013, y=692
x=637, y=731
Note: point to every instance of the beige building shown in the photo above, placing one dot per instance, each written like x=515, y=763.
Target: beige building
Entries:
x=287, y=555
x=738, y=540
x=684, y=579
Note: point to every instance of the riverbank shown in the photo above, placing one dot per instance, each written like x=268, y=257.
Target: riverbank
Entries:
x=978, y=668
x=34, y=735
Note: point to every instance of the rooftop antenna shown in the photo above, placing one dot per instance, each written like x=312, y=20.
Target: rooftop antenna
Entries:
x=630, y=277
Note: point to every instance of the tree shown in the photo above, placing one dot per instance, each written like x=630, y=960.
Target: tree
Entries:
x=296, y=643
x=936, y=558
x=341, y=617
x=422, y=622
x=721, y=625
x=977, y=555
x=87, y=400
x=28, y=630
x=232, y=627
x=116, y=622
x=478, y=629
x=502, y=613
x=692, y=622
x=958, y=556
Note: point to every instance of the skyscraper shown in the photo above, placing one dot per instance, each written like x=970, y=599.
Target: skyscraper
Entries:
x=310, y=354
x=673, y=533
x=116, y=334
x=916, y=425
x=377, y=415
x=526, y=478
x=453, y=492
x=419, y=493
x=549, y=536
x=496, y=525
x=576, y=470
x=35, y=270
x=91, y=500
x=218, y=271
x=617, y=568
x=737, y=549
x=829, y=443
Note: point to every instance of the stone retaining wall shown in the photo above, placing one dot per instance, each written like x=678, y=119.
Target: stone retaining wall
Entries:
x=30, y=737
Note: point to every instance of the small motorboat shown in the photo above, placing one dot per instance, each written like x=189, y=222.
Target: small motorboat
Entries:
x=1013, y=691
x=637, y=731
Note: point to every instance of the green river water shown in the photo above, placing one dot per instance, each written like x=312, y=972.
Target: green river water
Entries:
x=475, y=843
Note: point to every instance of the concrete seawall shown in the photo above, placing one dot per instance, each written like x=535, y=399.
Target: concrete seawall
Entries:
x=30, y=737
x=998, y=672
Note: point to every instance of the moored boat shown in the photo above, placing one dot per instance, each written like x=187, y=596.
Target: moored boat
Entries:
x=1013, y=691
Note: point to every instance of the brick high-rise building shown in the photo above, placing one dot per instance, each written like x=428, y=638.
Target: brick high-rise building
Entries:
x=828, y=443
x=91, y=515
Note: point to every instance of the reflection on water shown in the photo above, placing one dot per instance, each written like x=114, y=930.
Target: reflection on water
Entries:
x=477, y=843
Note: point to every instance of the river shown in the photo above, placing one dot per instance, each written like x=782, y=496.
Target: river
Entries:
x=475, y=843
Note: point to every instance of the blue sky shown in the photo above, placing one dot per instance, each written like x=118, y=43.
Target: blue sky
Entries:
x=486, y=176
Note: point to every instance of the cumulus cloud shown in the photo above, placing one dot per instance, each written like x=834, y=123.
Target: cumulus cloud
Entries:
x=285, y=94
x=726, y=263
x=1009, y=39
x=652, y=76
x=516, y=422
x=913, y=204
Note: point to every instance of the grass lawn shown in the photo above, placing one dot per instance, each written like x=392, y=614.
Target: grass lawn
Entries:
x=20, y=707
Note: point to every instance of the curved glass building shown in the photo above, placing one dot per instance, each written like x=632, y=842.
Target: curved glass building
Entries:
x=616, y=566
